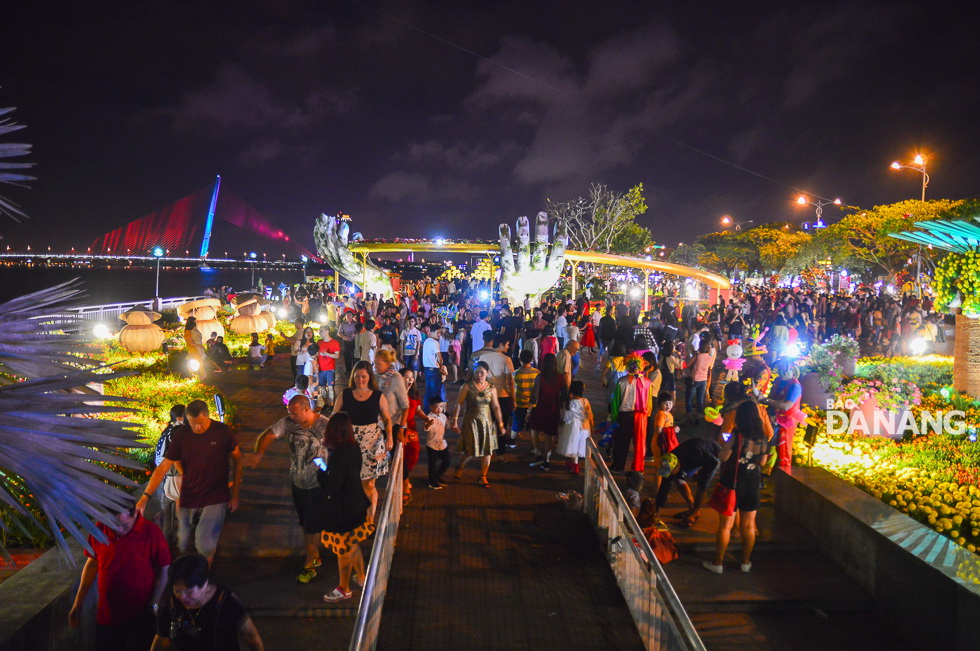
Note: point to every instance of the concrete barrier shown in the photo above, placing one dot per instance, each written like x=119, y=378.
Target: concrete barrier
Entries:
x=35, y=602
x=910, y=570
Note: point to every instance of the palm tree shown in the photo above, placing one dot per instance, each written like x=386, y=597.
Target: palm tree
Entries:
x=12, y=150
x=56, y=456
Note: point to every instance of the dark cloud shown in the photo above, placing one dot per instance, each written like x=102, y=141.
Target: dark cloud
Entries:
x=406, y=113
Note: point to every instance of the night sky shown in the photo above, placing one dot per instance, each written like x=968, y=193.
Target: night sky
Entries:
x=425, y=119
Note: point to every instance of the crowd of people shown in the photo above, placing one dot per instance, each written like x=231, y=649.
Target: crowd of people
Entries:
x=516, y=368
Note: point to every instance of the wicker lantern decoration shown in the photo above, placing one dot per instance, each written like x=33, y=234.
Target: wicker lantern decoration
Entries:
x=205, y=311
x=141, y=335
x=250, y=318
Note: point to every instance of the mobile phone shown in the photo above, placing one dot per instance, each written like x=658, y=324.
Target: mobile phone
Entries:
x=320, y=463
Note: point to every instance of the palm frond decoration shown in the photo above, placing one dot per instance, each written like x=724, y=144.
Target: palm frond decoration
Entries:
x=54, y=451
x=36, y=337
x=56, y=455
x=12, y=150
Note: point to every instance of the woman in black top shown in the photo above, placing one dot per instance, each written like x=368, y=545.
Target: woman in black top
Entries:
x=199, y=615
x=743, y=455
x=368, y=408
x=345, y=505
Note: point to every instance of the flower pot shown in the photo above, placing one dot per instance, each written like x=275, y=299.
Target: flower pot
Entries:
x=847, y=363
x=813, y=392
x=877, y=421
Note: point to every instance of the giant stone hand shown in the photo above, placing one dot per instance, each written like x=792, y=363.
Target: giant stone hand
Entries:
x=533, y=269
x=331, y=236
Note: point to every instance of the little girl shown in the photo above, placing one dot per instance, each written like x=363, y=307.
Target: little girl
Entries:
x=576, y=425
x=409, y=435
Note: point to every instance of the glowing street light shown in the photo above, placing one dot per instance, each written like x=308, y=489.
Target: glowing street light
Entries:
x=727, y=221
x=157, y=253
x=919, y=165
x=803, y=200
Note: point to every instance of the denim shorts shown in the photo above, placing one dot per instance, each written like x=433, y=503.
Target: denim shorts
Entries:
x=200, y=528
x=325, y=378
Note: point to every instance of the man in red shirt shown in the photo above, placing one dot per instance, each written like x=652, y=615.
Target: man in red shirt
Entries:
x=204, y=450
x=131, y=567
x=327, y=359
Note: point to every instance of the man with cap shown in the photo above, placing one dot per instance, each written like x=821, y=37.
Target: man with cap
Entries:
x=695, y=458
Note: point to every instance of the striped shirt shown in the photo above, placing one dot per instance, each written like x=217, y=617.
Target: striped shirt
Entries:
x=524, y=384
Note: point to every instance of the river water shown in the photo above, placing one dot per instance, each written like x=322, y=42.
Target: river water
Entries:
x=124, y=284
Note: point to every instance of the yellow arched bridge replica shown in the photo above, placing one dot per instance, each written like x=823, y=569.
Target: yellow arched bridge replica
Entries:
x=718, y=286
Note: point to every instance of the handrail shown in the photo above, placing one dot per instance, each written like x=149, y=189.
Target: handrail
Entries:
x=368, y=620
x=598, y=479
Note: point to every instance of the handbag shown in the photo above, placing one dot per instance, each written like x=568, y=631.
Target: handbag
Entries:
x=662, y=544
x=723, y=497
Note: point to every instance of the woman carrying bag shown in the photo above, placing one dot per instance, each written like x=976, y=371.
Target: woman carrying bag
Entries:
x=344, y=505
x=742, y=457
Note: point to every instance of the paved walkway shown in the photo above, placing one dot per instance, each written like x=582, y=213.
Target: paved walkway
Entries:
x=508, y=567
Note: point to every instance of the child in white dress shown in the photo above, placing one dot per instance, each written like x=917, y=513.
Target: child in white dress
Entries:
x=577, y=424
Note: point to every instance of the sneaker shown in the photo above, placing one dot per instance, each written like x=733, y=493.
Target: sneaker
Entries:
x=512, y=444
x=545, y=466
x=711, y=567
x=436, y=487
x=307, y=575
x=537, y=462
x=336, y=595
x=317, y=562
x=746, y=567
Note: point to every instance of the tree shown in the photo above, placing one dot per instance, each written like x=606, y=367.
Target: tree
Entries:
x=727, y=251
x=604, y=222
x=632, y=240
x=865, y=235
x=689, y=255
x=776, y=246
x=593, y=223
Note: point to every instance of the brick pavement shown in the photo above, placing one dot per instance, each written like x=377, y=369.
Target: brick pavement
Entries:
x=505, y=567
x=508, y=567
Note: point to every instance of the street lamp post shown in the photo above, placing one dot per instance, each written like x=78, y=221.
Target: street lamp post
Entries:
x=158, y=254
x=803, y=200
x=252, y=257
x=919, y=165
x=727, y=221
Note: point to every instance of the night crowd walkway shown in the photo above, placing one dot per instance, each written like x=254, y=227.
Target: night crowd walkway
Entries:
x=509, y=568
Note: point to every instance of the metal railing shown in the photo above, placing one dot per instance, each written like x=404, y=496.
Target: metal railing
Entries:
x=368, y=620
x=113, y=310
x=77, y=318
x=658, y=613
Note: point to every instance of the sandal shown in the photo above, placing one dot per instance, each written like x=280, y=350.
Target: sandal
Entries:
x=484, y=482
x=336, y=595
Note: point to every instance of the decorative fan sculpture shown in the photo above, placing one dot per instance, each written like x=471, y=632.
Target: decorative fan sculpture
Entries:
x=205, y=310
x=141, y=334
x=250, y=318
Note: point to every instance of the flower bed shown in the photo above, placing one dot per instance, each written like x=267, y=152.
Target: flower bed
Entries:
x=933, y=478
